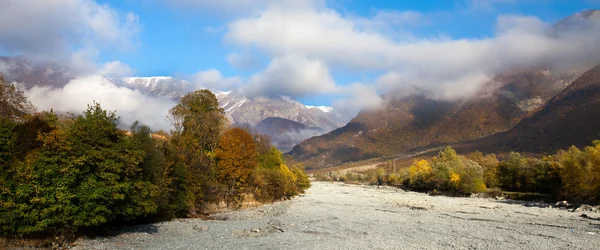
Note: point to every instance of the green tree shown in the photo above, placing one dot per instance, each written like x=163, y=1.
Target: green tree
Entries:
x=84, y=174
x=198, y=122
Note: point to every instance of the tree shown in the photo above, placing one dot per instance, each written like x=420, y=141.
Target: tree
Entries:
x=198, y=122
x=236, y=160
x=489, y=163
x=85, y=173
x=13, y=102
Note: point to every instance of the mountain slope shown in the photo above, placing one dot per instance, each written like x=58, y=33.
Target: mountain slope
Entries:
x=284, y=133
x=416, y=122
x=244, y=110
x=570, y=118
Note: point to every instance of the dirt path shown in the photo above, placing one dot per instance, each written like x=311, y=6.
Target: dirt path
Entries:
x=337, y=216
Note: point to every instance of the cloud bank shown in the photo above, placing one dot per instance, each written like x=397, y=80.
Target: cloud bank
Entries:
x=322, y=39
x=130, y=105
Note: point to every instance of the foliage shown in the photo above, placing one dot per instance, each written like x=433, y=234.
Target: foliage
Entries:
x=489, y=163
x=420, y=173
x=236, y=160
x=580, y=172
x=13, y=102
x=84, y=175
x=63, y=174
x=274, y=180
x=198, y=122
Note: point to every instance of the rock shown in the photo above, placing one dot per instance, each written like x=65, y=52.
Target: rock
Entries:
x=200, y=228
x=561, y=204
x=255, y=230
x=585, y=208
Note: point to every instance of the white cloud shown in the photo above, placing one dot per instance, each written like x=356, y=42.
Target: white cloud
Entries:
x=130, y=105
x=244, y=60
x=115, y=69
x=235, y=7
x=447, y=68
x=52, y=30
x=212, y=79
x=293, y=76
x=359, y=97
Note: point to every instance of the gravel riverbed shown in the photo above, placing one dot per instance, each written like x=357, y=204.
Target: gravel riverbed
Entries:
x=339, y=216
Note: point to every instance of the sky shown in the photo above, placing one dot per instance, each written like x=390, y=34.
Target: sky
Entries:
x=340, y=53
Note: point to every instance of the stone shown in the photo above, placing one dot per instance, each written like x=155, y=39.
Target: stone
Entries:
x=200, y=228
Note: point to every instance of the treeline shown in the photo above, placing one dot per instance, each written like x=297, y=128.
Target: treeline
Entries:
x=572, y=174
x=60, y=175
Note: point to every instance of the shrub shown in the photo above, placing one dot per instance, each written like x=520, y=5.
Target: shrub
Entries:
x=447, y=171
x=274, y=180
x=420, y=174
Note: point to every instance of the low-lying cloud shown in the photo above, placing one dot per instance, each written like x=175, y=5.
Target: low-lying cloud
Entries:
x=130, y=105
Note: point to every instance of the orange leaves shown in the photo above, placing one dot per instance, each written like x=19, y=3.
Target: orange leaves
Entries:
x=236, y=158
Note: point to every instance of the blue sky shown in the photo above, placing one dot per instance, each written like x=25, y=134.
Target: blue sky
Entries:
x=176, y=41
x=180, y=39
x=340, y=53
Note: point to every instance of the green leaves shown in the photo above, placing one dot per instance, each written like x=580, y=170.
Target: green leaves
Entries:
x=83, y=174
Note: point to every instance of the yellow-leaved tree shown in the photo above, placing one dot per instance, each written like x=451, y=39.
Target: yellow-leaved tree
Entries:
x=236, y=160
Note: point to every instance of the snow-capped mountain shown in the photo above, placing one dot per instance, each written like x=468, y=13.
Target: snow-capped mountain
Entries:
x=244, y=110
x=164, y=86
x=239, y=108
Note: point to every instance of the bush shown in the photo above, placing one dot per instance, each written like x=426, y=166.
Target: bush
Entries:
x=273, y=180
x=447, y=172
x=420, y=174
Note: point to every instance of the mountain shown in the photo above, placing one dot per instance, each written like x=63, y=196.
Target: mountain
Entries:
x=22, y=70
x=287, y=121
x=164, y=86
x=570, y=118
x=244, y=110
x=417, y=122
x=239, y=108
x=284, y=133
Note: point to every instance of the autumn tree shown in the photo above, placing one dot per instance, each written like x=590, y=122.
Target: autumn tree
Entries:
x=489, y=163
x=13, y=102
x=236, y=160
x=580, y=172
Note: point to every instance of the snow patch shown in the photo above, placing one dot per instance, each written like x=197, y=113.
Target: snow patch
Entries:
x=325, y=109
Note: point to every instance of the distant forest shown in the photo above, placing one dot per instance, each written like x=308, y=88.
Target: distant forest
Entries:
x=572, y=174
